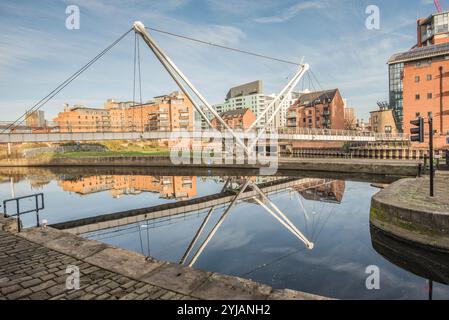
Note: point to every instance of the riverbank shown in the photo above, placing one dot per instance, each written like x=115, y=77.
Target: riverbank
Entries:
x=34, y=262
x=363, y=166
x=405, y=210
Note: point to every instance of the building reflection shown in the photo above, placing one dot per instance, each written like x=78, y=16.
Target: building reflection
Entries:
x=168, y=187
x=322, y=190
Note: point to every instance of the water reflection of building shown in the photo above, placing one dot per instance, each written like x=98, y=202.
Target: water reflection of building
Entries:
x=323, y=190
x=180, y=187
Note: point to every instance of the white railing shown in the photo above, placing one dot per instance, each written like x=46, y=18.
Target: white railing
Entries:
x=349, y=133
x=283, y=134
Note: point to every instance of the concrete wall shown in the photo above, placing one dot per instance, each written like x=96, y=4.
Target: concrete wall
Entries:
x=409, y=168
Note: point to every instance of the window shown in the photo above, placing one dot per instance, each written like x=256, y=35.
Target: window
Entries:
x=429, y=95
x=417, y=97
x=387, y=129
x=429, y=77
x=417, y=78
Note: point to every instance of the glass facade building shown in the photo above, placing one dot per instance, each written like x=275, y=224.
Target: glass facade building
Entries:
x=396, y=91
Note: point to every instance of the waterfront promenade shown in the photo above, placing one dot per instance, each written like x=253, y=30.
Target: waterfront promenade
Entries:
x=33, y=266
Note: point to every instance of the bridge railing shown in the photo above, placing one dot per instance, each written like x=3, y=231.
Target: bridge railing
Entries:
x=349, y=133
x=107, y=133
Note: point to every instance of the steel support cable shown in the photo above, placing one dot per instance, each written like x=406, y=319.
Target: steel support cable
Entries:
x=319, y=84
x=64, y=84
x=272, y=261
x=140, y=84
x=134, y=79
x=224, y=47
x=325, y=222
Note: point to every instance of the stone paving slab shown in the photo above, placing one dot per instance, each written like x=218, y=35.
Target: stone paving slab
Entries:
x=124, y=262
x=219, y=285
x=178, y=278
x=33, y=265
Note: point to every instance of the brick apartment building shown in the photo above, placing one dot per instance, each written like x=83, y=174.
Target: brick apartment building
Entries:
x=317, y=110
x=172, y=112
x=236, y=119
x=419, y=79
x=82, y=119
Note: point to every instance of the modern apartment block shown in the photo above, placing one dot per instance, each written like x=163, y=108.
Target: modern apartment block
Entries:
x=317, y=110
x=172, y=112
x=249, y=95
x=419, y=78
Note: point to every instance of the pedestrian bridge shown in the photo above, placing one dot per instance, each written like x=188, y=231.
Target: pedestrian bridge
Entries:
x=282, y=134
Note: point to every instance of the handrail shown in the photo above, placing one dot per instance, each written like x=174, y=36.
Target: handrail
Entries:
x=19, y=213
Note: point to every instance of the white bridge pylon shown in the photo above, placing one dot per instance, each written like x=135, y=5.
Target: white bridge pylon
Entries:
x=180, y=78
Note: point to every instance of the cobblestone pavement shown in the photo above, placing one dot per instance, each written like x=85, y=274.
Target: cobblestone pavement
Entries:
x=31, y=271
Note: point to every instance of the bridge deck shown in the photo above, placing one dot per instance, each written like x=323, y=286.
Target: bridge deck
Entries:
x=299, y=134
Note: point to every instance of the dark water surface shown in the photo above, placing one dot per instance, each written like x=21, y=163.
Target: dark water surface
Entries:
x=333, y=213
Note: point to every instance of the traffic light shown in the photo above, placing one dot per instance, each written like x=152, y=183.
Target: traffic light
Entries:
x=417, y=134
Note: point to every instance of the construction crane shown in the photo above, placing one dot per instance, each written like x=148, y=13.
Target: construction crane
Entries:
x=438, y=6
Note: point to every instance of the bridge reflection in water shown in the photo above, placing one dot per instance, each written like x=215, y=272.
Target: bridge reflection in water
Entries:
x=329, y=211
x=252, y=190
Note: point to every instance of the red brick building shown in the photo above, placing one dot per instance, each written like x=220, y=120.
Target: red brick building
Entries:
x=317, y=110
x=236, y=119
x=421, y=84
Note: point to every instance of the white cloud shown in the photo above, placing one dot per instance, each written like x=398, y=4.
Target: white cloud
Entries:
x=291, y=12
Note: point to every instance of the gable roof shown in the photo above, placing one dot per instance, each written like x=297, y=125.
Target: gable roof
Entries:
x=318, y=97
x=235, y=112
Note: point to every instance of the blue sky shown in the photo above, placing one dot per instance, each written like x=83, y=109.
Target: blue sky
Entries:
x=37, y=52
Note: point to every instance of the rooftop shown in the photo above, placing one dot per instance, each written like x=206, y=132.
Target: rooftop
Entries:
x=420, y=53
x=235, y=112
x=255, y=87
x=309, y=98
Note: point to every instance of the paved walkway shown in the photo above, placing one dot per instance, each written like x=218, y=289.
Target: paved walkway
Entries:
x=33, y=265
x=32, y=271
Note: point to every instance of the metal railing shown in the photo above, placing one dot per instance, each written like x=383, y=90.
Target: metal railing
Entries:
x=18, y=213
x=336, y=132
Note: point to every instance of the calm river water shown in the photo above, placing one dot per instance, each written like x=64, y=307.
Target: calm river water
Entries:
x=333, y=213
